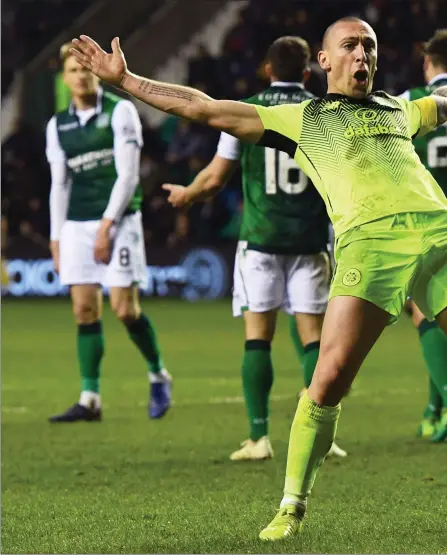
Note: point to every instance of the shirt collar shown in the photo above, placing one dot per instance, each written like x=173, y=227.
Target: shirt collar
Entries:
x=286, y=84
x=98, y=108
x=338, y=96
x=437, y=78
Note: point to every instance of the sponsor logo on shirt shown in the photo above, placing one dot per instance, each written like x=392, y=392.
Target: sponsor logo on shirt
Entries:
x=91, y=160
x=370, y=130
x=366, y=115
x=371, y=125
x=68, y=126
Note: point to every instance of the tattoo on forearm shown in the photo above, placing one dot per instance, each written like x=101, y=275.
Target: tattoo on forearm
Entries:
x=161, y=90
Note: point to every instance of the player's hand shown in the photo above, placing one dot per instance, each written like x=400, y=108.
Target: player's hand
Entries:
x=108, y=67
x=178, y=195
x=103, y=246
x=54, y=248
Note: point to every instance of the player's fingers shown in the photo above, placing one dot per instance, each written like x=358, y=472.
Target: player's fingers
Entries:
x=116, y=48
x=81, y=47
x=83, y=59
x=167, y=187
x=90, y=44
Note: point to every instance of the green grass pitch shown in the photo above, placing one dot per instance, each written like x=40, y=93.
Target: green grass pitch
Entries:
x=130, y=485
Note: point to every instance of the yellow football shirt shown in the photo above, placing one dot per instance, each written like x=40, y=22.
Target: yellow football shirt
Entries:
x=358, y=153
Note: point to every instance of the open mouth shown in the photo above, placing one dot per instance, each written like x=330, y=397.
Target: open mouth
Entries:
x=361, y=76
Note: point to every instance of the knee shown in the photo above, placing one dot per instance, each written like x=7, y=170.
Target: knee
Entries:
x=333, y=377
x=85, y=312
x=125, y=312
x=330, y=369
x=259, y=326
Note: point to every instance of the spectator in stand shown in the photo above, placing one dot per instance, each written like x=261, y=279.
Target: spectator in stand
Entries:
x=176, y=151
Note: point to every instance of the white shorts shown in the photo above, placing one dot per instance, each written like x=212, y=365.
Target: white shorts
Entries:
x=295, y=283
x=128, y=263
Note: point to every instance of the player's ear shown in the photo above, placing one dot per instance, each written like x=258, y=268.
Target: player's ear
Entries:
x=306, y=74
x=268, y=70
x=323, y=60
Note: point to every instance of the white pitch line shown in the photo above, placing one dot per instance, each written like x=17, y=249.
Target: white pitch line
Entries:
x=238, y=400
x=14, y=410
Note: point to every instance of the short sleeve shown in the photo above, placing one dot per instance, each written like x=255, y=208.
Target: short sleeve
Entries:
x=53, y=150
x=422, y=115
x=282, y=126
x=229, y=147
x=428, y=114
x=126, y=124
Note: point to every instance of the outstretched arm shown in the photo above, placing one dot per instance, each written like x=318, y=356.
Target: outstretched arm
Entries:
x=206, y=184
x=440, y=97
x=236, y=118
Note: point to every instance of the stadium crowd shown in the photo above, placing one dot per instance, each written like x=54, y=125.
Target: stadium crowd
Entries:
x=177, y=150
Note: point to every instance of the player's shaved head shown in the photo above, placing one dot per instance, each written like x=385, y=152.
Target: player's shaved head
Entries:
x=348, y=19
x=349, y=57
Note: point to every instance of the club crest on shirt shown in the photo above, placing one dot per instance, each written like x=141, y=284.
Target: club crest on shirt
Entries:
x=102, y=121
x=352, y=277
x=366, y=115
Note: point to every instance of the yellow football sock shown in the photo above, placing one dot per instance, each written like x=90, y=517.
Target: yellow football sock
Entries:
x=311, y=436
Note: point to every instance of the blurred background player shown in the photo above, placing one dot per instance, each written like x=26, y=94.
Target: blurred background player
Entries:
x=96, y=229
x=432, y=150
x=281, y=260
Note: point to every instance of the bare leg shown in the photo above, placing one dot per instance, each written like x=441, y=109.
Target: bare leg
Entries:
x=87, y=303
x=351, y=327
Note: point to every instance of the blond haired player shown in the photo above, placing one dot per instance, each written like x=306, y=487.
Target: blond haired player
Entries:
x=388, y=212
x=93, y=149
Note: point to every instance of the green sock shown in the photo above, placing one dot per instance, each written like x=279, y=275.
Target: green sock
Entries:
x=296, y=339
x=310, y=357
x=143, y=335
x=434, y=348
x=257, y=380
x=311, y=436
x=434, y=407
x=90, y=353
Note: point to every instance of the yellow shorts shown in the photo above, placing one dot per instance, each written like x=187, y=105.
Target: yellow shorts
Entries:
x=387, y=260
